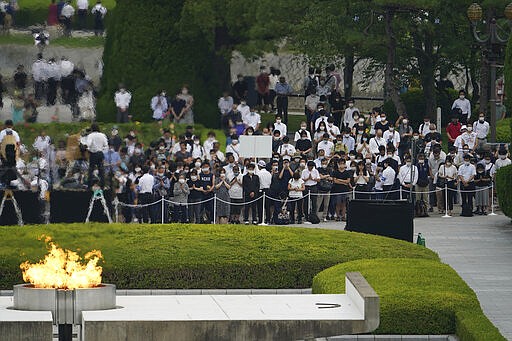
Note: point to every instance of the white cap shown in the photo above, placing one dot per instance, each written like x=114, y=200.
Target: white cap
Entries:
x=262, y=163
x=463, y=127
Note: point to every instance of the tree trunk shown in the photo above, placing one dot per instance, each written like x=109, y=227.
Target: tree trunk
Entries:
x=222, y=58
x=484, y=84
x=348, y=74
x=390, y=88
x=425, y=56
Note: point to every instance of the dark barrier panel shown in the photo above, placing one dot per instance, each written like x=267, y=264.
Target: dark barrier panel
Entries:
x=72, y=207
x=29, y=205
x=384, y=218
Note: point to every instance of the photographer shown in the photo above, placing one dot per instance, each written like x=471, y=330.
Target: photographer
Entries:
x=41, y=39
x=96, y=143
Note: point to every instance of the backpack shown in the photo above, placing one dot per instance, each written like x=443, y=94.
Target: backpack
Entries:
x=283, y=217
x=312, y=84
x=420, y=209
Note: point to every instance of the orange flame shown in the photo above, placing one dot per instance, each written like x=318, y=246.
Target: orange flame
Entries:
x=63, y=269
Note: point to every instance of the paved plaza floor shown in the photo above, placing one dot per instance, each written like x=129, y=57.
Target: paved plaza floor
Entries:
x=479, y=248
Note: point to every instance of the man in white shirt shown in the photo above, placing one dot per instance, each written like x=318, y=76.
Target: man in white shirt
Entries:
x=408, y=176
x=265, y=181
x=464, y=105
x=332, y=129
x=286, y=149
x=145, y=185
x=388, y=179
x=66, y=67
x=99, y=11
x=225, y=103
x=502, y=160
x=42, y=143
x=96, y=143
x=253, y=119
x=8, y=130
x=311, y=177
x=326, y=145
x=210, y=140
x=469, y=137
x=376, y=142
x=349, y=112
x=348, y=140
x=244, y=109
x=303, y=127
x=38, y=70
x=122, y=99
x=392, y=136
x=83, y=7
x=67, y=14
x=481, y=129
x=424, y=128
x=279, y=125
x=466, y=174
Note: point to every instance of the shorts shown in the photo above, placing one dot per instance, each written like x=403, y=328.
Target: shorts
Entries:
x=339, y=198
x=236, y=209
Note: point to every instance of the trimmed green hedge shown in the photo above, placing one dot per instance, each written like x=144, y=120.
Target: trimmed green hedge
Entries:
x=503, y=130
x=146, y=132
x=417, y=296
x=503, y=188
x=202, y=256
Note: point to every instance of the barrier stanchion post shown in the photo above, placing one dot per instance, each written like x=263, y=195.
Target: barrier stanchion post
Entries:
x=446, y=215
x=214, y=208
x=354, y=193
x=163, y=209
x=263, y=211
x=400, y=188
x=492, y=200
x=116, y=209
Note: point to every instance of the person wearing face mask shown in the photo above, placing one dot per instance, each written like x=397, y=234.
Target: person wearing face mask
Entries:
x=210, y=140
x=279, y=125
x=252, y=120
x=195, y=197
x=424, y=128
x=363, y=147
x=348, y=116
x=408, y=177
x=295, y=197
x=311, y=105
x=466, y=176
x=324, y=187
x=265, y=183
x=321, y=116
x=376, y=142
x=235, y=194
x=222, y=186
x=233, y=148
x=332, y=129
x=319, y=133
x=348, y=140
x=481, y=129
x=286, y=149
x=459, y=142
x=198, y=151
x=159, y=106
x=464, y=105
x=283, y=90
x=181, y=192
x=304, y=146
x=145, y=194
x=382, y=123
x=469, y=138
x=483, y=181
x=240, y=89
x=122, y=99
x=111, y=162
x=422, y=185
x=502, y=160
x=405, y=132
x=311, y=178
x=433, y=135
x=453, y=130
x=251, y=187
x=446, y=177
x=391, y=136
x=303, y=128
x=326, y=145
x=244, y=109
x=207, y=180
x=342, y=185
x=161, y=189
x=187, y=116
x=115, y=139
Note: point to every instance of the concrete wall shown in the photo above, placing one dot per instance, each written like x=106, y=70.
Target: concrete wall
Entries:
x=26, y=331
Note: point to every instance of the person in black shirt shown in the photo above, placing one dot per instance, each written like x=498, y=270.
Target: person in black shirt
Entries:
x=433, y=135
x=196, y=195
x=251, y=187
x=207, y=181
x=276, y=141
x=177, y=108
x=383, y=124
x=342, y=184
x=20, y=78
x=240, y=89
x=304, y=145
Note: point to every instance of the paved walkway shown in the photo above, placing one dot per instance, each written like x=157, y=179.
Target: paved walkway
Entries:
x=480, y=250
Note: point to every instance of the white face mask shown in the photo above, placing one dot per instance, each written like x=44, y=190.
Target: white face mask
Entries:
x=184, y=91
x=197, y=164
x=462, y=96
x=503, y=157
x=351, y=105
x=137, y=170
x=222, y=175
x=193, y=177
x=361, y=120
x=181, y=181
x=470, y=129
x=408, y=163
x=250, y=172
x=303, y=127
x=204, y=170
x=278, y=121
x=405, y=121
x=196, y=143
x=466, y=163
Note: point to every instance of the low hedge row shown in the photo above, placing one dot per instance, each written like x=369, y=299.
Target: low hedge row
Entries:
x=417, y=296
x=146, y=132
x=202, y=256
x=503, y=188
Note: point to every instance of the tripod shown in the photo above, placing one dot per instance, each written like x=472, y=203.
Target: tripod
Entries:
x=98, y=195
x=8, y=195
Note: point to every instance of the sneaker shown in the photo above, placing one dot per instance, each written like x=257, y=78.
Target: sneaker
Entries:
x=255, y=222
x=325, y=220
x=246, y=222
x=484, y=213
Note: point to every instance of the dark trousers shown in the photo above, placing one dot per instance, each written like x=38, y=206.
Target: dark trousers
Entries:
x=67, y=26
x=467, y=197
x=291, y=206
x=82, y=18
x=361, y=192
x=39, y=90
x=51, y=94
x=98, y=27
x=310, y=200
x=271, y=98
x=208, y=208
x=194, y=211
x=180, y=213
x=122, y=116
x=452, y=193
x=267, y=207
x=252, y=206
x=262, y=99
x=96, y=160
x=282, y=107
x=144, y=212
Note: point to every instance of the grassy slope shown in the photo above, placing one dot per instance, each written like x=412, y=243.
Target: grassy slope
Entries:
x=201, y=255
x=417, y=296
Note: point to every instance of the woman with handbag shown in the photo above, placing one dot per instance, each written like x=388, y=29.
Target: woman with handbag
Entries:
x=446, y=177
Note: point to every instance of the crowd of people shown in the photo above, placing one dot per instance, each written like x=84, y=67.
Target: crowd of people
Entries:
x=64, y=13
x=334, y=156
x=54, y=81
